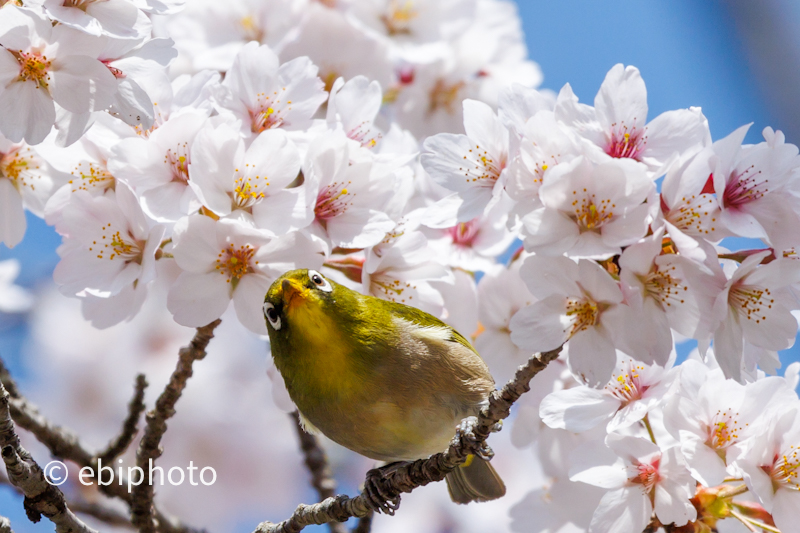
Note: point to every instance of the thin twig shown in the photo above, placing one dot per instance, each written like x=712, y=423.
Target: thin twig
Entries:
x=142, y=515
x=7, y=381
x=136, y=407
x=101, y=512
x=65, y=444
x=317, y=463
x=41, y=498
x=421, y=472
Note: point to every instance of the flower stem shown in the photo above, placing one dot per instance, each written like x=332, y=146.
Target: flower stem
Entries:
x=646, y=421
x=734, y=491
x=751, y=524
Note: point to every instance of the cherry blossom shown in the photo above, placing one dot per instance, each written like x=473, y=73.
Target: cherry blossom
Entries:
x=264, y=94
x=344, y=199
x=209, y=34
x=473, y=165
x=501, y=293
x=715, y=419
x=577, y=302
x=158, y=167
x=754, y=308
x=230, y=180
x=400, y=269
x=617, y=125
x=25, y=183
x=633, y=390
x=589, y=211
x=117, y=18
x=109, y=244
x=225, y=260
x=644, y=479
x=751, y=184
x=41, y=64
x=771, y=468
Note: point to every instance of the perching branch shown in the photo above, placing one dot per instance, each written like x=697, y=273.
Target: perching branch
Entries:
x=421, y=472
x=65, y=444
x=142, y=514
x=41, y=498
x=364, y=523
x=136, y=407
x=317, y=463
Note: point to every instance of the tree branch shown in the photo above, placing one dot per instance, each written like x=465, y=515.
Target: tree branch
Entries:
x=364, y=524
x=136, y=407
x=421, y=472
x=317, y=463
x=142, y=514
x=105, y=514
x=65, y=444
x=41, y=498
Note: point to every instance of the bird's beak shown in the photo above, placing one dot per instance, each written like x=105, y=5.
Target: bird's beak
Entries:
x=291, y=289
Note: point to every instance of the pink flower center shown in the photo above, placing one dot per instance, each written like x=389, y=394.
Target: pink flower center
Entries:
x=744, y=188
x=626, y=142
x=465, y=233
x=786, y=469
x=268, y=113
x=235, y=262
x=114, y=70
x=33, y=67
x=663, y=287
x=178, y=160
x=444, y=96
x=582, y=313
x=589, y=214
x=363, y=134
x=723, y=430
x=751, y=302
x=19, y=166
x=399, y=16
x=89, y=176
x=628, y=388
x=114, y=243
x=647, y=475
x=333, y=200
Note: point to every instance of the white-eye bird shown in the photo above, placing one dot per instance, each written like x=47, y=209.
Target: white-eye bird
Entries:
x=381, y=378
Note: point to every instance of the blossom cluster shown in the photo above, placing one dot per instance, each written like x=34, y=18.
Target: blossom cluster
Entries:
x=401, y=148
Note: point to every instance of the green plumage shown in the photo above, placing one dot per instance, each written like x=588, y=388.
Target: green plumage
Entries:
x=384, y=379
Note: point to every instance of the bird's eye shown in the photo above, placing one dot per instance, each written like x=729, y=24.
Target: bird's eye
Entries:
x=272, y=316
x=321, y=283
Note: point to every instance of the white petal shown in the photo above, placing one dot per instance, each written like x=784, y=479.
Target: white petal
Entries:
x=12, y=215
x=197, y=299
x=592, y=356
x=577, y=409
x=196, y=247
x=248, y=299
x=625, y=510
x=26, y=112
x=80, y=84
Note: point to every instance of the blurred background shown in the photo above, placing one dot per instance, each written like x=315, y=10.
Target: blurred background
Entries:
x=738, y=60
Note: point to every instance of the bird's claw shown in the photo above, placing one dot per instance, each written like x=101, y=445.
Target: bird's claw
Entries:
x=465, y=432
x=380, y=499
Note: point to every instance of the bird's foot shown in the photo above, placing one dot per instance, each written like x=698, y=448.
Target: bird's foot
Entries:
x=380, y=498
x=465, y=432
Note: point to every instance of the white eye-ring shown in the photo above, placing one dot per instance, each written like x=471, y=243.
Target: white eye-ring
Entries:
x=322, y=283
x=272, y=316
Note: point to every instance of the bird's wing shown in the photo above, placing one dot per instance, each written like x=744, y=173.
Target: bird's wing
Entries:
x=429, y=323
